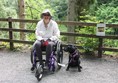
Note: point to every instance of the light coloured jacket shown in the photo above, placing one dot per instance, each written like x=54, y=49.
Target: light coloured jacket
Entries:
x=51, y=32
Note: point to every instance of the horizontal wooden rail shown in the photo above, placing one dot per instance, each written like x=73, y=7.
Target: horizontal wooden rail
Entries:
x=63, y=44
x=64, y=33
x=100, y=48
x=17, y=41
x=17, y=30
x=60, y=22
x=89, y=35
x=110, y=49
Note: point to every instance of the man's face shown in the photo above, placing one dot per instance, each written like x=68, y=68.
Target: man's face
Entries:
x=46, y=17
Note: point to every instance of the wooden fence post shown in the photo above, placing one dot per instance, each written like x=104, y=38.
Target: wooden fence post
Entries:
x=100, y=48
x=10, y=33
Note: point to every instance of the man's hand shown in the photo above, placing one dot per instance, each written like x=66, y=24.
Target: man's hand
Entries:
x=45, y=43
x=48, y=40
x=42, y=41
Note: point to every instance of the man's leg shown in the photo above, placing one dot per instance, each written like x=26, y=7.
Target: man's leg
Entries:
x=49, y=49
x=37, y=47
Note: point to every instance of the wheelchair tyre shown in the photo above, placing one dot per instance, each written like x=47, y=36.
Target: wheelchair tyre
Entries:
x=59, y=58
x=32, y=57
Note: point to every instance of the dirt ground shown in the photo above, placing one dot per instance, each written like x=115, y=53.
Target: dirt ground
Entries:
x=15, y=68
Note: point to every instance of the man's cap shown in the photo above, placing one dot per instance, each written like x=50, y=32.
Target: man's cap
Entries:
x=47, y=11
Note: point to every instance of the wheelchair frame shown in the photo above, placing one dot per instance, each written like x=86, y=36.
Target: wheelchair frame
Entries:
x=56, y=56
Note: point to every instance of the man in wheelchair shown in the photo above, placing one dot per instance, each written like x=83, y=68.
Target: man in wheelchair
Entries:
x=47, y=33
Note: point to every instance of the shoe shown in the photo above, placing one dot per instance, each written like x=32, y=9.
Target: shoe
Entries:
x=32, y=68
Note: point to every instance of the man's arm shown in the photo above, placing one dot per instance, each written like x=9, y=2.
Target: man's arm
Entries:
x=38, y=33
x=56, y=33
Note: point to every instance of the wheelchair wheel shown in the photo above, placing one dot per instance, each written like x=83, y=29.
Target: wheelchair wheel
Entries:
x=59, y=57
x=32, y=57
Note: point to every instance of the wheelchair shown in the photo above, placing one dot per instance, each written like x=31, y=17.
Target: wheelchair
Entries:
x=56, y=58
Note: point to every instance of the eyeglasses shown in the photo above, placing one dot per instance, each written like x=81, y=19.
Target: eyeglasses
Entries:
x=46, y=14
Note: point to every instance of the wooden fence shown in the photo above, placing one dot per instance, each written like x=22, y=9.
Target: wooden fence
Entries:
x=100, y=48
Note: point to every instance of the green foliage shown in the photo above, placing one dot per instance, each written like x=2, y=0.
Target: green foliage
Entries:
x=60, y=8
x=63, y=28
x=90, y=44
x=106, y=11
x=100, y=2
x=110, y=43
x=31, y=37
x=34, y=8
x=107, y=14
x=81, y=8
x=102, y=10
x=7, y=8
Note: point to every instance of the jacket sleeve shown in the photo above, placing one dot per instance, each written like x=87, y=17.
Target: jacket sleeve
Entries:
x=56, y=32
x=38, y=33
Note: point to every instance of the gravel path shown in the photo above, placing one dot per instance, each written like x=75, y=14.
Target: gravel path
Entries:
x=15, y=68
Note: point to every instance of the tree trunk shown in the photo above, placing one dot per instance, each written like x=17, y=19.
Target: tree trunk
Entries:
x=71, y=17
x=21, y=16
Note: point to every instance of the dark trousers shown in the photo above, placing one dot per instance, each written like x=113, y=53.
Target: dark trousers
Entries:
x=37, y=46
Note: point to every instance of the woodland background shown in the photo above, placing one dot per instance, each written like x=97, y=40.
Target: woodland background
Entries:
x=63, y=10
